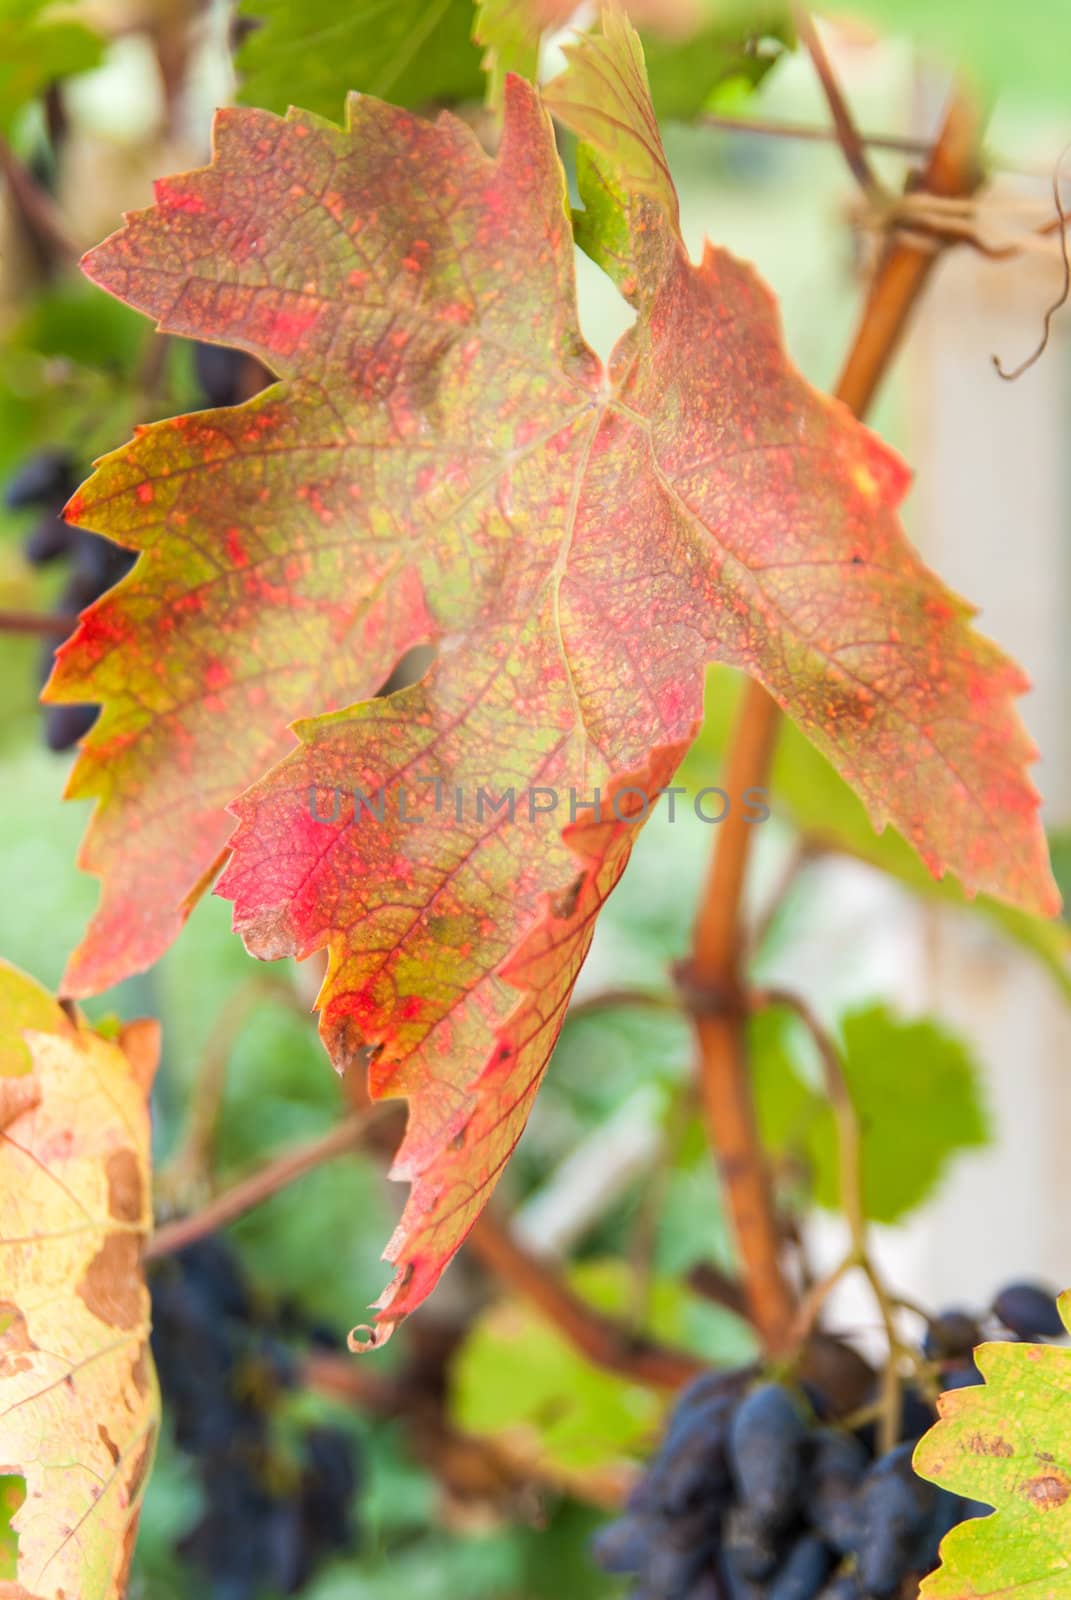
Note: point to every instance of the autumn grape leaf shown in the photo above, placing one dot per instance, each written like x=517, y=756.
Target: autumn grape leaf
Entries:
x=1007, y=1443
x=816, y=800
x=78, y=1401
x=445, y=460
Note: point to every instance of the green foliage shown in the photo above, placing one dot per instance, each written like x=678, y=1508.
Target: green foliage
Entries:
x=38, y=46
x=1023, y=48
x=12, y=1494
x=916, y=1096
x=421, y=55
x=517, y=1379
x=735, y=48
x=313, y=54
x=510, y=37
x=1008, y=1444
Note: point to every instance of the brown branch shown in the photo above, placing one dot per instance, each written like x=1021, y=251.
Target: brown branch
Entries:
x=604, y=1341
x=850, y=1160
x=847, y=134
x=258, y=1187
x=709, y=1281
x=724, y=1085
x=849, y=1142
x=621, y=1000
x=54, y=626
x=190, y=1169
x=906, y=264
x=894, y=143
x=714, y=969
x=40, y=215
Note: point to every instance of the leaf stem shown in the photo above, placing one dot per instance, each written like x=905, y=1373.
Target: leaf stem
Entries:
x=603, y=1340
x=847, y=134
x=260, y=1185
x=718, y=940
x=48, y=626
x=40, y=215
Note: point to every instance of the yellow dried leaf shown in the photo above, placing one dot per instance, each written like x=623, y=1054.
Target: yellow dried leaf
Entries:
x=79, y=1406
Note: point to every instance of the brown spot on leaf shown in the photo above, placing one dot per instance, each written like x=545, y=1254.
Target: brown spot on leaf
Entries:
x=107, y=1441
x=16, y=1096
x=1047, y=1491
x=126, y=1555
x=139, y=1471
x=111, y=1287
x=125, y=1192
x=565, y=904
x=981, y=1444
x=16, y=1345
x=140, y=1373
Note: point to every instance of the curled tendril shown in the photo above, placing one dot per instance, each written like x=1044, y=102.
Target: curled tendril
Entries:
x=365, y=1337
x=1061, y=298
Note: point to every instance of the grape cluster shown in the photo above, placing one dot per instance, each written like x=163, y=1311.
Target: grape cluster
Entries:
x=272, y=1514
x=45, y=482
x=751, y=1494
x=756, y=1493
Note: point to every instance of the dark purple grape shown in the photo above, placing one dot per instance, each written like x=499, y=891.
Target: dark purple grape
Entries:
x=65, y=725
x=751, y=1548
x=219, y=372
x=46, y=478
x=707, y=1587
x=102, y=563
x=732, y=1586
x=1029, y=1309
x=845, y=1586
x=896, y=1507
x=804, y=1570
x=766, y=1453
x=328, y=1484
x=951, y=1335
x=692, y=1464
x=624, y=1545
x=960, y=1377
x=50, y=539
x=837, y=1465
x=671, y=1570
x=975, y=1508
x=917, y=1417
x=947, y=1511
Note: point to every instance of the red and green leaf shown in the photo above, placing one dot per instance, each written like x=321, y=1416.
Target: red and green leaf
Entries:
x=444, y=460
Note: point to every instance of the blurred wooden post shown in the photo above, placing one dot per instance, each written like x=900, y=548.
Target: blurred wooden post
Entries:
x=991, y=510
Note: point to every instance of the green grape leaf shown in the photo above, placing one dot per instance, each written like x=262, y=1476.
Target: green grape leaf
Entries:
x=726, y=40
x=516, y=1378
x=1007, y=1443
x=509, y=32
x=736, y=43
x=916, y=1094
x=39, y=45
x=411, y=52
